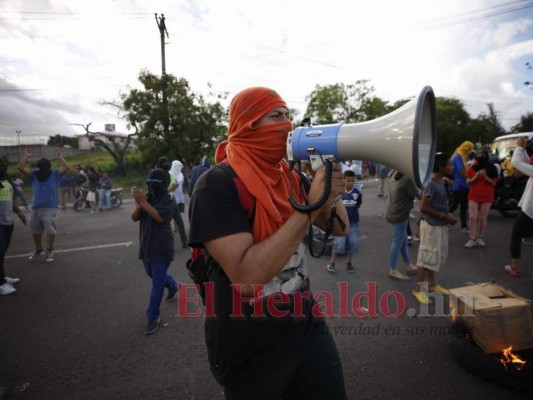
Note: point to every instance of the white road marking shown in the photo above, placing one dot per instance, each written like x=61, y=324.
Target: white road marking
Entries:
x=101, y=246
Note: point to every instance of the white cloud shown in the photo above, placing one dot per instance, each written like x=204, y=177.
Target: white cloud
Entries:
x=87, y=51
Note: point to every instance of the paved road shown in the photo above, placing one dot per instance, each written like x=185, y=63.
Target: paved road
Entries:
x=74, y=328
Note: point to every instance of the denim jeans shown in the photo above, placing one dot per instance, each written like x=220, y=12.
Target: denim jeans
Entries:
x=160, y=281
x=399, y=244
x=107, y=194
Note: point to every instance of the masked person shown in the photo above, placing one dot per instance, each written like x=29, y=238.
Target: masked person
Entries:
x=8, y=206
x=257, y=351
x=156, y=250
x=179, y=198
x=45, y=203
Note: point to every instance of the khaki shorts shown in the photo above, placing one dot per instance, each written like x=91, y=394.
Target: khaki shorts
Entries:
x=433, y=249
x=43, y=220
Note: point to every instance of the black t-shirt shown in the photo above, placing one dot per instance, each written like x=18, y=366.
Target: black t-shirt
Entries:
x=157, y=240
x=215, y=211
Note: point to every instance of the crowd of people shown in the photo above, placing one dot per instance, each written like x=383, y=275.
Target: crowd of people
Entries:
x=260, y=258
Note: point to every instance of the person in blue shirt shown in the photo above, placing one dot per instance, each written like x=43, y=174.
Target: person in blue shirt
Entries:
x=45, y=183
x=459, y=195
x=349, y=245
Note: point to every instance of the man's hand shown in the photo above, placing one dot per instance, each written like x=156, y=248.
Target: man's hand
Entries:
x=57, y=152
x=27, y=152
x=21, y=216
x=138, y=196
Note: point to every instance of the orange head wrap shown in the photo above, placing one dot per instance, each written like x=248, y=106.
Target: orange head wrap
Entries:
x=256, y=155
x=464, y=151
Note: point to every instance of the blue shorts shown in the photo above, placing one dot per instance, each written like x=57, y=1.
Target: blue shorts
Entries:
x=348, y=243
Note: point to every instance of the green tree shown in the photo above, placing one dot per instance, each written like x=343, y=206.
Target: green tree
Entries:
x=485, y=127
x=339, y=102
x=525, y=124
x=61, y=141
x=180, y=125
x=452, y=124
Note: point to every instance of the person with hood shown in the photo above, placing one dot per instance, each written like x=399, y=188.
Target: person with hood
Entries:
x=179, y=198
x=45, y=204
x=205, y=164
x=459, y=192
x=264, y=341
x=154, y=211
x=8, y=207
x=482, y=177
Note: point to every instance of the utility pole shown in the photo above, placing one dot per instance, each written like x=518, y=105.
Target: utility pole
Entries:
x=162, y=31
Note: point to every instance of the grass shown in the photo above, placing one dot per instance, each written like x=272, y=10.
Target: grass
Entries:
x=135, y=176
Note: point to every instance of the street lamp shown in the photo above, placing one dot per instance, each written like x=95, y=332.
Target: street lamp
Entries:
x=18, y=139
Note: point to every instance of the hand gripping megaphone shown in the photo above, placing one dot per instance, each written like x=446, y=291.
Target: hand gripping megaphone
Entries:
x=404, y=140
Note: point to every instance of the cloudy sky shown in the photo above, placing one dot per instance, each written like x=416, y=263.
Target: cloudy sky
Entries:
x=60, y=58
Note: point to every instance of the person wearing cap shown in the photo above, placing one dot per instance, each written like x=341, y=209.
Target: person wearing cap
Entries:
x=156, y=250
x=45, y=203
x=264, y=341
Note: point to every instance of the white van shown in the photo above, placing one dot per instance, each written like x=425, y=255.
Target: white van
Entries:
x=503, y=145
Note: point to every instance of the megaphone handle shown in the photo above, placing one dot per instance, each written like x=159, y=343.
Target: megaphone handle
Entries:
x=309, y=208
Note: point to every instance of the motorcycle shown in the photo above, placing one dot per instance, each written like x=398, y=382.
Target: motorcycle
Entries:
x=507, y=195
x=81, y=201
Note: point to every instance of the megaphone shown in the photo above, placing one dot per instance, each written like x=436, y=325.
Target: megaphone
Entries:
x=404, y=140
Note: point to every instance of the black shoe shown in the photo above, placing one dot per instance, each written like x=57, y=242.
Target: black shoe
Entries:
x=152, y=326
x=349, y=267
x=172, y=294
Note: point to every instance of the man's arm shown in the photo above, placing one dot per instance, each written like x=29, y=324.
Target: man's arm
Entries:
x=519, y=159
x=22, y=163
x=19, y=212
x=246, y=262
x=64, y=165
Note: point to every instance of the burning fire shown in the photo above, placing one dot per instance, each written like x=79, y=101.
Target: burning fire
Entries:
x=512, y=359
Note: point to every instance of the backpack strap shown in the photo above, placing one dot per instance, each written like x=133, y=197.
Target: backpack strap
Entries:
x=245, y=197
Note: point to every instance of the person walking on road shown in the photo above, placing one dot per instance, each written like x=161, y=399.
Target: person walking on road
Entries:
x=179, y=198
x=287, y=351
x=433, y=250
x=156, y=250
x=523, y=224
x=402, y=192
x=482, y=177
x=8, y=207
x=459, y=192
x=45, y=203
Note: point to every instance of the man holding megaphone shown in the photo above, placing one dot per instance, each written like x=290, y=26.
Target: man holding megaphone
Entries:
x=258, y=262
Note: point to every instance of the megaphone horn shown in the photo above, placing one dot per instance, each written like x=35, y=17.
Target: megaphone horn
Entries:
x=404, y=140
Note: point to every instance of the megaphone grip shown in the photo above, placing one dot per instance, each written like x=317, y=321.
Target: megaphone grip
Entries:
x=309, y=208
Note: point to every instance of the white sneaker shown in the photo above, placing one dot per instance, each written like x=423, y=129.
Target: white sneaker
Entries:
x=12, y=281
x=480, y=242
x=395, y=274
x=471, y=243
x=6, y=289
x=35, y=255
x=49, y=256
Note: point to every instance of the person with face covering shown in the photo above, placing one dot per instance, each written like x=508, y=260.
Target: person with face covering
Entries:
x=482, y=177
x=179, y=198
x=263, y=341
x=459, y=193
x=154, y=211
x=8, y=207
x=45, y=204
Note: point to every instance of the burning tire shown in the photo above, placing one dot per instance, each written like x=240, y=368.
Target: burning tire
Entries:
x=490, y=366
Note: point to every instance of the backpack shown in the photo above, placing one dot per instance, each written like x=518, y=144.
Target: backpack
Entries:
x=196, y=265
